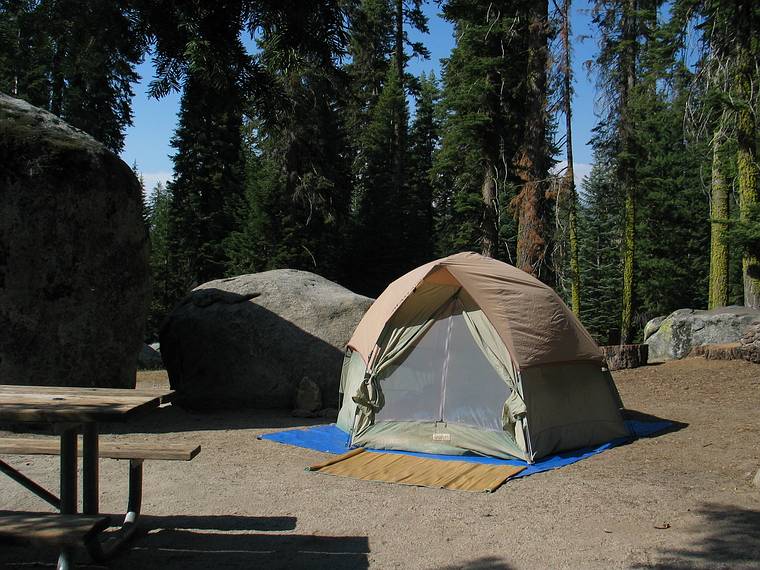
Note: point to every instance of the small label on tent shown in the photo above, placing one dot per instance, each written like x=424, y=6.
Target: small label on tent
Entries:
x=441, y=437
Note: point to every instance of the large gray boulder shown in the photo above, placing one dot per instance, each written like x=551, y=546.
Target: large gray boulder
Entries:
x=74, y=281
x=686, y=329
x=248, y=341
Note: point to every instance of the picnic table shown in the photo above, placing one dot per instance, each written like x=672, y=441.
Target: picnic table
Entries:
x=70, y=410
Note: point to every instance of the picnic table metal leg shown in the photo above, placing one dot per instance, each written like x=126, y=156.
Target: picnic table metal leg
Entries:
x=90, y=487
x=69, y=470
x=35, y=488
x=68, y=484
x=101, y=551
x=135, y=493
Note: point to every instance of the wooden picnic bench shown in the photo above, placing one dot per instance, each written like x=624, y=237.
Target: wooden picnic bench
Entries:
x=71, y=530
x=108, y=450
x=51, y=529
x=70, y=410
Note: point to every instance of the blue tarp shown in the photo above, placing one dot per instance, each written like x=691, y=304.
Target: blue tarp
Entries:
x=330, y=439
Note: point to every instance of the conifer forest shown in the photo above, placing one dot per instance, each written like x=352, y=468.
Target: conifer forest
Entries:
x=304, y=141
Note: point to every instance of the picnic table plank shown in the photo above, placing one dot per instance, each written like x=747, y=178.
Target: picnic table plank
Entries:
x=51, y=528
x=164, y=394
x=107, y=449
x=54, y=404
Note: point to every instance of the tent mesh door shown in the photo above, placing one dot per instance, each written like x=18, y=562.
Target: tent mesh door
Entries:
x=445, y=377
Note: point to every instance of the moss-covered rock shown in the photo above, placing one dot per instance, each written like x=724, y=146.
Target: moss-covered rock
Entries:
x=686, y=329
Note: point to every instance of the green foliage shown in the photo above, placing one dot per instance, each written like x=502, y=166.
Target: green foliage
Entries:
x=204, y=39
x=661, y=163
x=600, y=224
x=424, y=138
x=370, y=46
x=157, y=211
x=75, y=58
x=745, y=234
x=25, y=52
x=207, y=188
x=381, y=213
x=483, y=108
x=390, y=201
x=291, y=156
x=673, y=230
x=217, y=224
x=297, y=185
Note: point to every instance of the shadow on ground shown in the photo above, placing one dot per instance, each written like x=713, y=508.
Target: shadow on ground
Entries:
x=645, y=417
x=201, y=542
x=169, y=548
x=484, y=563
x=215, y=522
x=174, y=419
x=727, y=536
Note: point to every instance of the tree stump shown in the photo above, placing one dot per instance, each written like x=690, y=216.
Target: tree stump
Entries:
x=621, y=356
x=726, y=351
x=750, y=344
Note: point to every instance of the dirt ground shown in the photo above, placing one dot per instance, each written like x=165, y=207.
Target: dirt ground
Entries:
x=684, y=499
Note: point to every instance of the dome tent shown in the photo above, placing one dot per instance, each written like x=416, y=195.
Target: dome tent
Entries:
x=468, y=354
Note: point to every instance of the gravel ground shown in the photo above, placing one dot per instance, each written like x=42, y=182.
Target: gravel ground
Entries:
x=684, y=499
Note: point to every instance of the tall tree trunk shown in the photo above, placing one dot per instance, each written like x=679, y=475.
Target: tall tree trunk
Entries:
x=14, y=89
x=56, y=77
x=569, y=182
x=719, y=214
x=626, y=168
x=399, y=121
x=531, y=161
x=575, y=267
x=399, y=48
x=746, y=156
x=490, y=230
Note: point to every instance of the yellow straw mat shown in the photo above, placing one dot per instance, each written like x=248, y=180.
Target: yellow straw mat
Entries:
x=411, y=470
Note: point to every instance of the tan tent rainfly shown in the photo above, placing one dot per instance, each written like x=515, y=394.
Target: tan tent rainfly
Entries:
x=469, y=354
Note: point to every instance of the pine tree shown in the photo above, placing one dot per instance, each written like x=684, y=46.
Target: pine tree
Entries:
x=626, y=162
x=379, y=39
x=484, y=105
x=600, y=221
x=745, y=76
x=650, y=92
x=726, y=109
x=383, y=203
x=711, y=118
x=207, y=188
x=719, y=219
x=25, y=52
x=532, y=160
x=623, y=24
x=75, y=58
x=672, y=250
x=371, y=43
x=381, y=213
x=298, y=183
x=199, y=48
x=567, y=198
x=423, y=142
x=158, y=211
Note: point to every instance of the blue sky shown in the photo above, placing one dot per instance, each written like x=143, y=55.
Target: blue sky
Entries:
x=147, y=141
